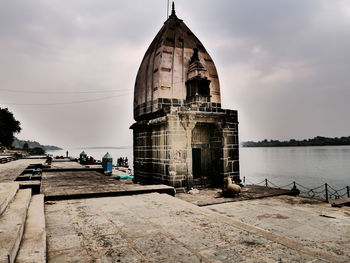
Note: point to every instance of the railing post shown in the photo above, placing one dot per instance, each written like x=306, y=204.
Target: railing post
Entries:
x=295, y=190
x=266, y=184
x=243, y=179
x=348, y=191
x=326, y=188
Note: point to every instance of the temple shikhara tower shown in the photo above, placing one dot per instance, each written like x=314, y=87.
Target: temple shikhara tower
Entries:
x=182, y=136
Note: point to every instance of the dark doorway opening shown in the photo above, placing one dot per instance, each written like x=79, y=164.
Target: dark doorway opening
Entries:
x=196, y=162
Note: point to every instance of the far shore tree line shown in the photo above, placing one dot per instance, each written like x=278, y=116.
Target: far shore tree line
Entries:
x=317, y=141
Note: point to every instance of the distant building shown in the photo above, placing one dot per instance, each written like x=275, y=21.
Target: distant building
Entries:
x=182, y=136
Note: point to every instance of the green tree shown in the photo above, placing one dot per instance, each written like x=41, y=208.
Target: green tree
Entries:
x=8, y=127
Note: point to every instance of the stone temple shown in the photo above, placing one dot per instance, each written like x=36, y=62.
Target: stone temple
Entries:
x=182, y=136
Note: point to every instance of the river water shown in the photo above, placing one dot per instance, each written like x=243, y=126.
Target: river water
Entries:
x=308, y=166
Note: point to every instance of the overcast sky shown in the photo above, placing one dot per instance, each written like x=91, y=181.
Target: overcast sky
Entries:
x=283, y=64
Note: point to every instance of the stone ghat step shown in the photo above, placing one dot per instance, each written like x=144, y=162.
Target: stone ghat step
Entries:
x=32, y=184
x=28, y=177
x=83, y=169
x=33, y=245
x=7, y=192
x=67, y=194
x=340, y=202
x=12, y=225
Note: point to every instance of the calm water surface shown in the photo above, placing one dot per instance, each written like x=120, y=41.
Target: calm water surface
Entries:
x=309, y=166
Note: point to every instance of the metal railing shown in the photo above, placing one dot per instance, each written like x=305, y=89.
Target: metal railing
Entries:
x=324, y=191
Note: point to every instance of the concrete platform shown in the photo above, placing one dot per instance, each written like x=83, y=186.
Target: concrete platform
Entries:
x=211, y=196
x=33, y=245
x=160, y=228
x=12, y=225
x=90, y=184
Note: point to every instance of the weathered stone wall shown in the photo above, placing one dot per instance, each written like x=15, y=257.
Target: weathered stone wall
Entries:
x=163, y=147
x=151, y=153
x=230, y=159
x=155, y=105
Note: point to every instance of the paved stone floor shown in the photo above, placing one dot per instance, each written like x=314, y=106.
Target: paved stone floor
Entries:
x=209, y=196
x=71, y=184
x=160, y=228
x=9, y=171
x=65, y=163
x=312, y=223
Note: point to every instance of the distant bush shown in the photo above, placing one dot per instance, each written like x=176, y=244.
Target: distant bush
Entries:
x=37, y=151
x=20, y=144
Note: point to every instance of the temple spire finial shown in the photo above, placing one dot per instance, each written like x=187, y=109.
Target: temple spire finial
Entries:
x=173, y=14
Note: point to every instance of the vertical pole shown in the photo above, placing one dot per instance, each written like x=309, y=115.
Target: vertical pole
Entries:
x=326, y=188
x=167, y=10
x=266, y=184
x=244, y=180
x=348, y=191
x=294, y=185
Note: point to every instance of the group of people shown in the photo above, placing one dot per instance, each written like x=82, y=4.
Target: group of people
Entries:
x=87, y=160
x=123, y=162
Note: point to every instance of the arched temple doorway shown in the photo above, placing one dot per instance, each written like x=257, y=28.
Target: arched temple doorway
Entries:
x=206, y=142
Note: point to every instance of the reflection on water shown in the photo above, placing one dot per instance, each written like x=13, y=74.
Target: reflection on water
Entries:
x=309, y=166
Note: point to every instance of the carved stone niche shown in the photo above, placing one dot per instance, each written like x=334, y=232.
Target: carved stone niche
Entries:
x=197, y=84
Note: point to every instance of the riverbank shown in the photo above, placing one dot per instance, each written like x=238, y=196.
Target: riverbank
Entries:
x=82, y=222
